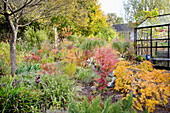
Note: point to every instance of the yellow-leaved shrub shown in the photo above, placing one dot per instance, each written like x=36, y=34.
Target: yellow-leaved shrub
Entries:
x=150, y=87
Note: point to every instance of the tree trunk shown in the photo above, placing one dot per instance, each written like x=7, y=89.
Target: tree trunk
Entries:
x=14, y=28
x=13, y=51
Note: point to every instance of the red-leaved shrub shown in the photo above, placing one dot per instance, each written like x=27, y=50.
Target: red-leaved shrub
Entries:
x=106, y=61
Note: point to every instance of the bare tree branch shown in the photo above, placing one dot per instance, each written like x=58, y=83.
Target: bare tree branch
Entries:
x=1, y=13
x=37, y=3
x=27, y=23
x=34, y=19
x=19, y=9
x=4, y=1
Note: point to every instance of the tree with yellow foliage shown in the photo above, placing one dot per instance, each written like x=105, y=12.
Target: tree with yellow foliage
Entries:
x=85, y=18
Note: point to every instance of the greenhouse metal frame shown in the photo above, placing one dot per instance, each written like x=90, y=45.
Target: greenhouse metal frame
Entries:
x=152, y=38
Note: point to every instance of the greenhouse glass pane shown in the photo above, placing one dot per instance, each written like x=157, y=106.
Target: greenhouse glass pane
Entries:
x=163, y=20
x=149, y=22
x=145, y=23
x=143, y=34
x=160, y=32
x=160, y=20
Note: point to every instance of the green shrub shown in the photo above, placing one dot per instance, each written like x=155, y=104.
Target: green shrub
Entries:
x=30, y=35
x=77, y=39
x=107, y=33
x=91, y=44
x=121, y=47
x=24, y=94
x=20, y=45
x=5, y=52
x=4, y=58
x=140, y=58
x=15, y=97
x=86, y=76
x=55, y=89
x=70, y=69
x=25, y=46
x=25, y=67
x=35, y=36
x=4, y=69
x=95, y=106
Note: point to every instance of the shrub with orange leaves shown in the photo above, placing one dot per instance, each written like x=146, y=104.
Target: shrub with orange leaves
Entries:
x=48, y=67
x=78, y=57
x=33, y=58
x=65, y=31
x=150, y=87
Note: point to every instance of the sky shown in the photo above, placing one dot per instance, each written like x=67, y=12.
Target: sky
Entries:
x=113, y=6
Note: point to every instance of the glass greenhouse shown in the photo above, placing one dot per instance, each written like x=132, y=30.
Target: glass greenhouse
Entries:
x=152, y=40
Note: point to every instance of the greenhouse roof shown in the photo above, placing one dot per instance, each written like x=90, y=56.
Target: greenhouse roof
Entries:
x=160, y=20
